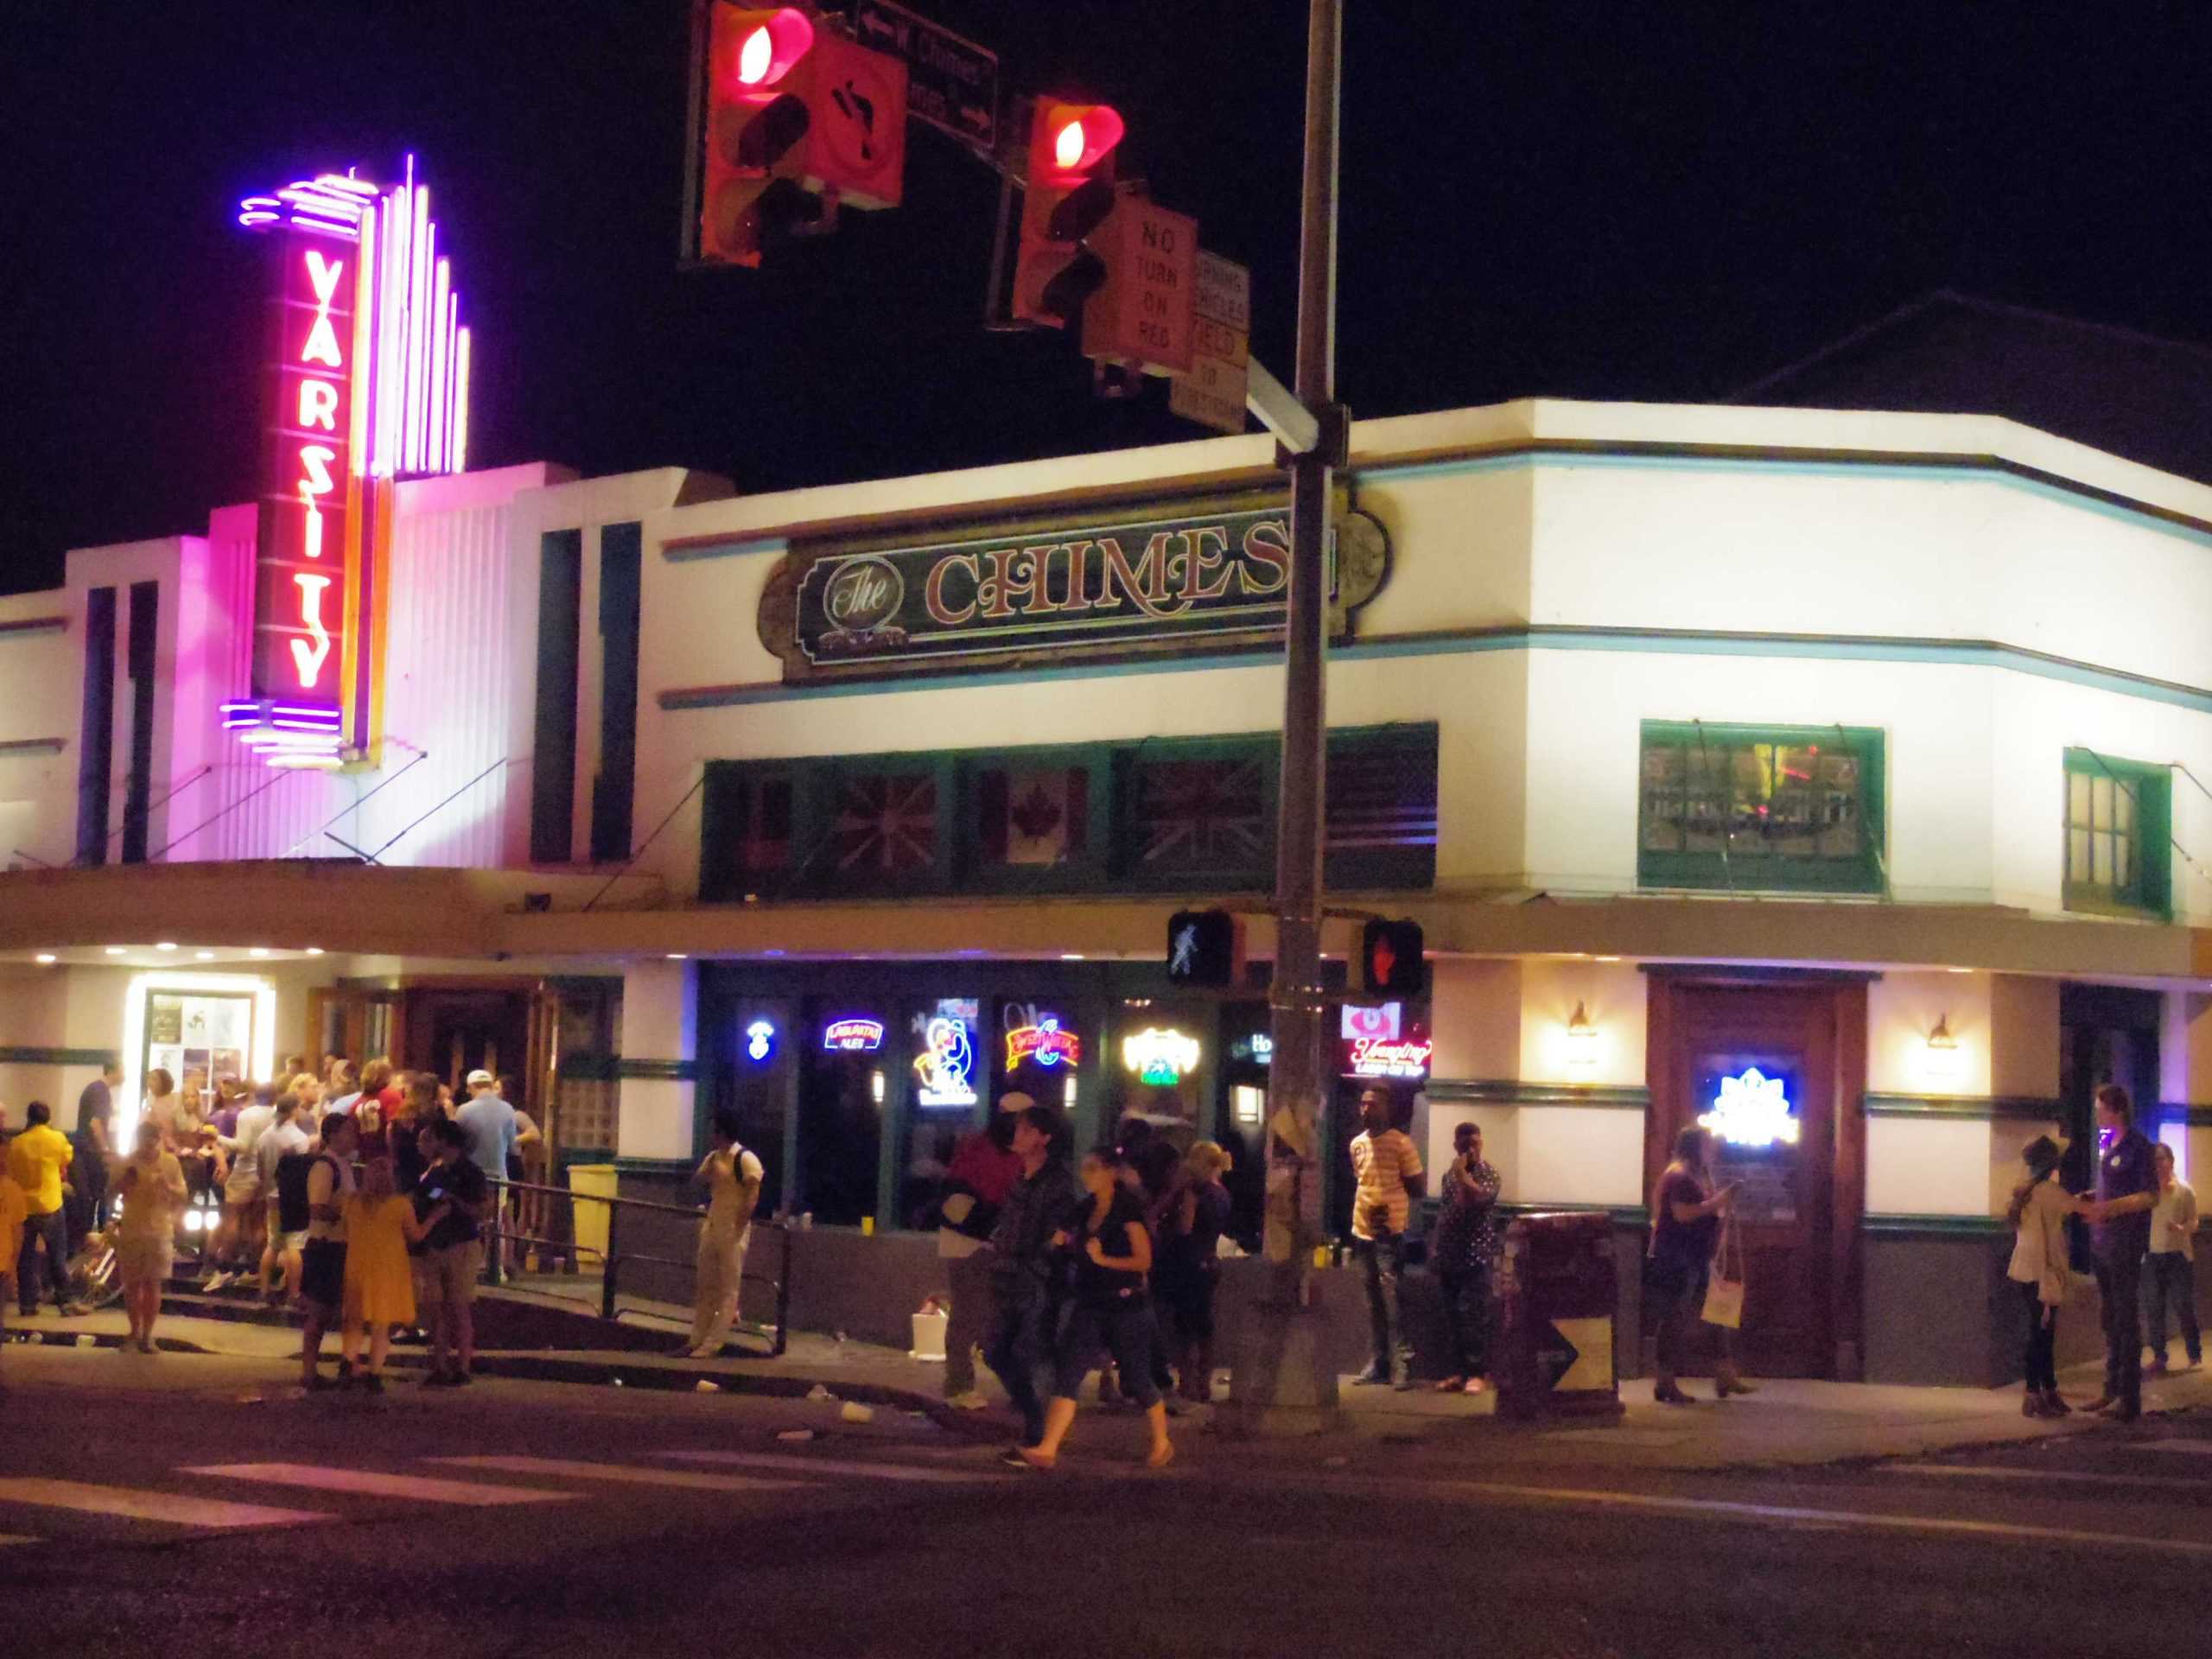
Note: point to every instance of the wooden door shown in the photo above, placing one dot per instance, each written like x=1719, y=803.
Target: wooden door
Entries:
x=1769, y=1069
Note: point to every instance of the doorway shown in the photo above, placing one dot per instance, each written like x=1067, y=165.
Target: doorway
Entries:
x=1775, y=1070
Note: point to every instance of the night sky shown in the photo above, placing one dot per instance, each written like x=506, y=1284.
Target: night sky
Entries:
x=1656, y=202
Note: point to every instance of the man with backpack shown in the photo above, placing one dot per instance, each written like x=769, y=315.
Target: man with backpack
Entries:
x=329, y=1182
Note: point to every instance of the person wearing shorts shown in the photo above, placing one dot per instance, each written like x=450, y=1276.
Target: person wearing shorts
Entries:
x=281, y=1248
x=323, y=1256
x=453, y=1253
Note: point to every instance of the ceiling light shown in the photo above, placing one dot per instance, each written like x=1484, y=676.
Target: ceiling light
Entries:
x=314, y=950
x=47, y=956
x=205, y=956
x=166, y=945
x=677, y=956
x=114, y=950
x=258, y=950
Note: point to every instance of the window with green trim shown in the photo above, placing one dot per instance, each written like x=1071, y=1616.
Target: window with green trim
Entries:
x=2119, y=832
x=1793, y=809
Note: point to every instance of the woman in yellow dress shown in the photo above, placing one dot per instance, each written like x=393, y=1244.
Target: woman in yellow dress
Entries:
x=379, y=1282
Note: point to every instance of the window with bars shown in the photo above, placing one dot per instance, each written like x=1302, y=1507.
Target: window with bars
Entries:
x=2119, y=833
x=1166, y=814
x=1792, y=809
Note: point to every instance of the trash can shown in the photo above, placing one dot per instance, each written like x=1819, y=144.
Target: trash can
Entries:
x=589, y=1181
x=1559, y=1293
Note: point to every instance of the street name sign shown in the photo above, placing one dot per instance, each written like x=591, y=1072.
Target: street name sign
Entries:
x=951, y=82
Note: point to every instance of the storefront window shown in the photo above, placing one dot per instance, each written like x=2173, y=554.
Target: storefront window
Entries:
x=1788, y=808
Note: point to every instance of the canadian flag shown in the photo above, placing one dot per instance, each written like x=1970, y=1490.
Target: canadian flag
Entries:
x=1038, y=817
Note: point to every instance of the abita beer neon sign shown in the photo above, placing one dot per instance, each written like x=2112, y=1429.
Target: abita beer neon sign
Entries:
x=368, y=382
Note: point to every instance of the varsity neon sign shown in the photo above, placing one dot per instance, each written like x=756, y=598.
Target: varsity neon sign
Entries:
x=368, y=382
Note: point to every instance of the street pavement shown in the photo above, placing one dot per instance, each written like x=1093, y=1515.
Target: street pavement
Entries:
x=187, y=1503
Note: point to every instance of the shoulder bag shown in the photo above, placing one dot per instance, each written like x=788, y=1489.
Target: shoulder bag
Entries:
x=1723, y=1292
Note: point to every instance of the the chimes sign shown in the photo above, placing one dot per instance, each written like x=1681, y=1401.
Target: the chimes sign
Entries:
x=313, y=494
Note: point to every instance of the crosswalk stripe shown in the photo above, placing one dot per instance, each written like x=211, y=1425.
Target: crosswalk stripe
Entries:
x=839, y=1466
x=180, y=1511
x=375, y=1484
x=622, y=1472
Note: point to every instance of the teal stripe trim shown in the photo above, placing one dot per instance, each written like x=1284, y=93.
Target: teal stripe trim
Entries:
x=657, y=1070
x=1971, y=1106
x=1509, y=1092
x=24, y=1056
x=1935, y=1226
x=589, y=1068
x=730, y=550
x=656, y=1165
x=1968, y=653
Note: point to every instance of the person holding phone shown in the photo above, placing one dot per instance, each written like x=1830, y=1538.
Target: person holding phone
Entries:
x=452, y=1249
x=1387, y=1169
x=1686, y=1210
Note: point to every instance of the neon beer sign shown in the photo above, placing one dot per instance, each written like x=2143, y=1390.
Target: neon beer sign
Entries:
x=853, y=1036
x=1044, y=1042
x=1159, y=1056
x=1382, y=1056
x=1752, y=1110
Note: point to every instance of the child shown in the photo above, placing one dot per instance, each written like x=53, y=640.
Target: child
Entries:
x=379, y=1282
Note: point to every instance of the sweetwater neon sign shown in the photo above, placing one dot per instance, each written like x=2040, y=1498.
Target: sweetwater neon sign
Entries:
x=1044, y=1042
x=1752, y=1110
x=369, y=382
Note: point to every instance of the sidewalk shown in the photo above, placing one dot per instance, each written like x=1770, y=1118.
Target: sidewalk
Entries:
x=1785, y=1423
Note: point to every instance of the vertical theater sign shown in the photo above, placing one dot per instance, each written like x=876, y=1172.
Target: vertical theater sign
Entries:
x=366, y=383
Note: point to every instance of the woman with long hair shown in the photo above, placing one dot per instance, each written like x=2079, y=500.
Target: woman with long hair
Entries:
x=1687, y=1211
x=2037, y=1215
x=151, y=1187
x=1111, y=1311
x=1192, y=1219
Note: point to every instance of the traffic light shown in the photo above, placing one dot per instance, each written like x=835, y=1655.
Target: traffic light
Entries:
x=1392, y=959
x=1204, y=947
x=1068, y=194
x=756, y=120
x=797, y=119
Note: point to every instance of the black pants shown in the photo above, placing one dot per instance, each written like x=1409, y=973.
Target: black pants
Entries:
x=2120, y=1280
x=54, y=1227
x=1466, y=1318
x=1384, y=1258
x=1019, y=1346
x=1125, y=1330
x=2171, y=1277
x=2039, y=1367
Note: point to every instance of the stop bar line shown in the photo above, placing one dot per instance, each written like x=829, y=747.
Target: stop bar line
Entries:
x=2078, y=1477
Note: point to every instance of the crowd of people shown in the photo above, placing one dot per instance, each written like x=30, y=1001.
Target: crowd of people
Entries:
x=362, y=1195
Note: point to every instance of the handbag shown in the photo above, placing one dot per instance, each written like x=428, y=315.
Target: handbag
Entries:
x=1723, y=1293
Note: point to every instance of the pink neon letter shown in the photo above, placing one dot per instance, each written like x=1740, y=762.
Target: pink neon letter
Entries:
x=319, y=405
x=316, y=458
x=308, y=658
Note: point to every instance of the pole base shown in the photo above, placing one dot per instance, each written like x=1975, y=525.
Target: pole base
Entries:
x=1282, y=1383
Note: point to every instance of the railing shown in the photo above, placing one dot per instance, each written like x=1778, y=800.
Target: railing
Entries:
x=535, y=1209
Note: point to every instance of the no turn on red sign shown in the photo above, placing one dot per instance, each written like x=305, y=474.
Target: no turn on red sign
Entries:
x=1144, y=313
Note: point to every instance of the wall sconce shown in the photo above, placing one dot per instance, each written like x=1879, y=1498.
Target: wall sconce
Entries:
x=1581, y=1042
x=1942, y=1048
x=875, y=1086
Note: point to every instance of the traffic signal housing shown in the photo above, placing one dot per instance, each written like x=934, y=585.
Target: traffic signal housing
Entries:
x=795, y=118
x=1068, y=195
x=1393, y=959
x=1205, y=947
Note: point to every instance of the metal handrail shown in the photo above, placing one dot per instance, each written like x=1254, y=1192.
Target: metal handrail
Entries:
x=613, y=1257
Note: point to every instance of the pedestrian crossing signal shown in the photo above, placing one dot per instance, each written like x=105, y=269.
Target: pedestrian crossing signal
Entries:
x=1393, y=959
x=1204, y=947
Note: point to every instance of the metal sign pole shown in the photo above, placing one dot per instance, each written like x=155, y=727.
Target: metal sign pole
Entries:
x=1284, y=1382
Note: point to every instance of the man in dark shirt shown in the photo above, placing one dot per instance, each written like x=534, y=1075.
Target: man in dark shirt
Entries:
x=1023, y=1256
x=2119, y=1217
x=1461, y=1249
x=95, y=1114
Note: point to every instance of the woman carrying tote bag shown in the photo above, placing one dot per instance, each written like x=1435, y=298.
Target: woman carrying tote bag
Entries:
x=2039, y=1269
x=1686, y=1223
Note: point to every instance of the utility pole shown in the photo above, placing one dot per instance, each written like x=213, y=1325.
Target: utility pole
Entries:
x=1284, y=1382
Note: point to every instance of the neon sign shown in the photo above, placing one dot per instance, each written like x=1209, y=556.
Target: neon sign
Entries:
x=853, y=1036
x=760, y=1040
x=1258, y=1048
x=1379, y=1021
x=946, y=1069
x=1044, y=1042
x=370, y=383
x=1752, y=1110
x=1380, y=1057
x=1159, y=1056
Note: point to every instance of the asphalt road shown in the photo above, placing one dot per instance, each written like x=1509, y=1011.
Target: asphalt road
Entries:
x=530, y=1519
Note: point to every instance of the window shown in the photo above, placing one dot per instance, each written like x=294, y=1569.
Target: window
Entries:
x=752, y=814
x=884, y=826
x=1032, y=820
x=1380, y=830
x=1792, y=809
x=1201, y=814
x=2119, y=827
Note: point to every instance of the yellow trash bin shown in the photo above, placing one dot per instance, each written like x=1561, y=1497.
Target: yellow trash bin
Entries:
x=588, y=1181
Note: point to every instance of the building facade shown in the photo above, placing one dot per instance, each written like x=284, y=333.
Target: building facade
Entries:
x=1838, y=779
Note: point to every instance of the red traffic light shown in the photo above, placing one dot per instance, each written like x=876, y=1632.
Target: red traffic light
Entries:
x=1072, y=137
x=760, y=49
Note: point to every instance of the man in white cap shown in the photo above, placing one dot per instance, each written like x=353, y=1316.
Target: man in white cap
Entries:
x=489, y=1122
x=984, y=1169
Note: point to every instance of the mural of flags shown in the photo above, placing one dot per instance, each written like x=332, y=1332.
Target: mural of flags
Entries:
x=1033, y=816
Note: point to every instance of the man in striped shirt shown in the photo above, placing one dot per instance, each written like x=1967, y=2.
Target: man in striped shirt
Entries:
x=1387, y=1168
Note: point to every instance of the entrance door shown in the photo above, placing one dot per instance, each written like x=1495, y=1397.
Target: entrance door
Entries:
x=1774, y=1072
